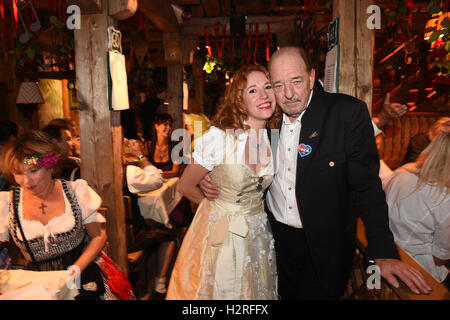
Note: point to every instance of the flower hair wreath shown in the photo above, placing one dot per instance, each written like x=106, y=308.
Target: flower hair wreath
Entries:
x=48, y=161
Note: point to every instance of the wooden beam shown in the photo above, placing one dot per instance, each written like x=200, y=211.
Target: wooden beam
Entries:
x=175, y=93
x=160, y=13
x=345, y=10
x=199, y=82
x=122, y=9
x=173, y=58
x=172, y=48
x=212, y=8
x=186, y=2
x=196, y=26
x=100, y=129
x=356, y=43
x=364, y=54
x=87, y=6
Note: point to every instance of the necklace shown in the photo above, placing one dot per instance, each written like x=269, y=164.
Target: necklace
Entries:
x=43, y=206
x=162, y=151
x=258, y=147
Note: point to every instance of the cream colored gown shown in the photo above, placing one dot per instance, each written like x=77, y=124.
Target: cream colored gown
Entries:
x=228, y=251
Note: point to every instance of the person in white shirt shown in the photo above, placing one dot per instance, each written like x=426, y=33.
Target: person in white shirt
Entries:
x=418, y=195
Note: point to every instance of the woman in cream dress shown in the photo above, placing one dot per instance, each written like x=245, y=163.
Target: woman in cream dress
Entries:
x=228, y=251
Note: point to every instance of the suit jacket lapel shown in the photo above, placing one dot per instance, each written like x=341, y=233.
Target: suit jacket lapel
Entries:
x=310, y=133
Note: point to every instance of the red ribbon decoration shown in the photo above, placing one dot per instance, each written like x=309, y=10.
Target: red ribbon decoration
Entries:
x=410, y=6
x=2, y=10
x=208, y=46
x=222, y=45
x=15, y=12
x=216, y=33
x=268, y=43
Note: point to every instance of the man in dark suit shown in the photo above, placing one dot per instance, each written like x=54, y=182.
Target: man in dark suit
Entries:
x=325, y=161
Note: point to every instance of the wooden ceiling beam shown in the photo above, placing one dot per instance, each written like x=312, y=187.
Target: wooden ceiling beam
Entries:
x=278, y=24
x=160, y=13
x=87, y=6
x=212, y=8
x=186, y=2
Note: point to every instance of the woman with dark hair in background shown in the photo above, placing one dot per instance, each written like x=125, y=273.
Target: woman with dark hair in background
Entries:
x=159, y=155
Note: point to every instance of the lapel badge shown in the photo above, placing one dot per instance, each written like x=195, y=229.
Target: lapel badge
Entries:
x=304, y=150
x=313, y=135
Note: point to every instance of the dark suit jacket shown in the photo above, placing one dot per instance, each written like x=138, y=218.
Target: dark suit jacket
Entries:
x=341, y=170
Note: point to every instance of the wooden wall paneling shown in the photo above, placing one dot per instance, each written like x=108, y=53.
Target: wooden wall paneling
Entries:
x=423, y=124
x=397, y=147
x=100, y=130
x=414, y=125
x=278, y=24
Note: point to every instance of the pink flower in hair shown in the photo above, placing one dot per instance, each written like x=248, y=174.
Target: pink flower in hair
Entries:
x=48, y=161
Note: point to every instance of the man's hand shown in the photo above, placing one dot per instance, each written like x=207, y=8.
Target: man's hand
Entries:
x=210, y=190
x=412, y=277
x=389, y=111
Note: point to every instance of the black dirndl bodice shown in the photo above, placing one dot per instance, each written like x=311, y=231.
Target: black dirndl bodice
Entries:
x=63, y=249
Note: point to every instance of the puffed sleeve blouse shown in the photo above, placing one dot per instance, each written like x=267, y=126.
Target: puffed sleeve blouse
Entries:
x=209, y=149
x=88, y=200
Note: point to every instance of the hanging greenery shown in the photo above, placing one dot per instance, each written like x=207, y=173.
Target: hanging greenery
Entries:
x=438, y=36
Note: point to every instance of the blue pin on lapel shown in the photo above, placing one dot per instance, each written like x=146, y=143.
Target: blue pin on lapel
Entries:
x=304, y=150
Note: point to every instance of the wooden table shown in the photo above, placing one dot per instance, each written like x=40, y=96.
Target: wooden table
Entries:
x=158, y=204
x=439, y=291
x=37, y=285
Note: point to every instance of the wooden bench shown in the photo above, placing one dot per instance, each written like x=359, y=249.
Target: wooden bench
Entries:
x=398, y=133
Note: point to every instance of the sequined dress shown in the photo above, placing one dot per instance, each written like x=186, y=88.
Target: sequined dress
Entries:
x=228, y=251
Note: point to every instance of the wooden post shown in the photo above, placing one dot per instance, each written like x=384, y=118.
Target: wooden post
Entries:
x=65, y=98
x=199, y=83
x=100, y=129
x=356, y=49
x=173, y=57
x=364, y=54
x=345, y=10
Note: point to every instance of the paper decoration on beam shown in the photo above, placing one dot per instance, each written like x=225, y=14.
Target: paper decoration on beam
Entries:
x=117, y=74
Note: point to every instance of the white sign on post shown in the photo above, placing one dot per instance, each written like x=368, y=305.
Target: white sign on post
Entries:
x=331, y=81
x=117, y=73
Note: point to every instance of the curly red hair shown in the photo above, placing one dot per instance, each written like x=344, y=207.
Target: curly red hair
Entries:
x=231, y=113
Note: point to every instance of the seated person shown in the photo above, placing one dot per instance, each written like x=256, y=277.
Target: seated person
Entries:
x=418, y=196
x=62, y=138
x=421, y=140
x=72, y=127
x=157, y=233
